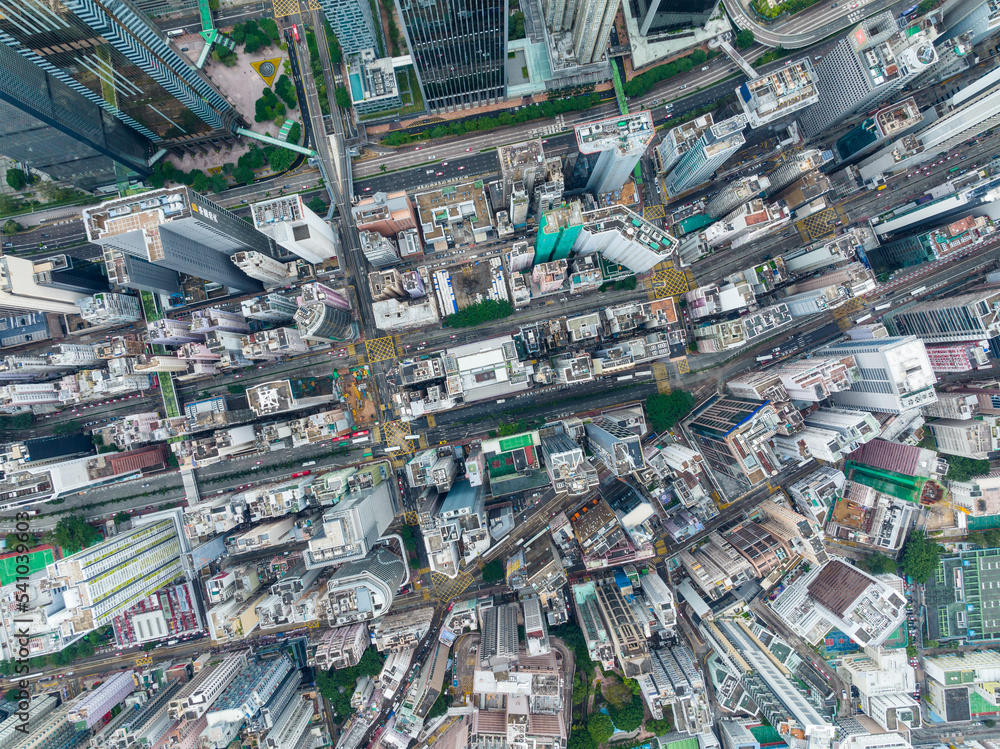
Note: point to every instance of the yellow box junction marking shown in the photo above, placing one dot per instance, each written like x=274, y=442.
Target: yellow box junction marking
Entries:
x=380, y=349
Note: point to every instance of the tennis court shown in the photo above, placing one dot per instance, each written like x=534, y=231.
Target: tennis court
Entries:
x=37, y=560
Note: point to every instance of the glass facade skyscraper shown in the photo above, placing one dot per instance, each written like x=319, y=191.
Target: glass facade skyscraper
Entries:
x=63, y=60
x=459, y=50
x=657, y=17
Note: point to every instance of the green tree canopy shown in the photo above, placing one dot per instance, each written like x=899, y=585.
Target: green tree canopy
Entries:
x=992, y=538
x=479, y=313
x=343, y=98
x=745, y=39
x=17, y=179
x=317, y=205
x=659, y=727
x=67, y=427
x=493, y=571
x=580, y=738
x=666, y=409
x=440, y=706
x=515, y=31
x=244, y=175
x=629, y=716
x=284, y=88
x=121, y=517
x=73, y=533
x=268, y=107
x=12, y=227
x=963, y=469
x=920, y=557
x=879, y=564
x=414, y=563
x=600, y=728
x=338, y=685
x=294, y=133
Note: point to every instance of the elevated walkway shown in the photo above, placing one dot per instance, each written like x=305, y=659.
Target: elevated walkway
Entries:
x=738, y=59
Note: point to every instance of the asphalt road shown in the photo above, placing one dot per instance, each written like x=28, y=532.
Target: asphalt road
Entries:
x=809, y=26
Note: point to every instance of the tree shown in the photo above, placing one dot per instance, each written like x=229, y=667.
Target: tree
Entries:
x=493, y=571
x=343, y=98
x=879, y=564
x=149, y=646
x=515, y=31
x=217, y=182
x=281, y=159
x=121, y=517
x=317, y=205
x=284, y=88
x=581, y=739
x=17, y=179
x=267, y=107
x=10, y=203
x=294, y=133
x=67, y=427
x=414, y=563
x=963, y=469
x=73, y=534
x=12, y=695
x=931, y=644
x=12, y=227
x=579, y=688
x=409, y=537
x=243, y=175
x=978, y=538
x=920, y=557
x=269, y=27
x=440, y=706
x=600, y=728
x=478, y=313
x=13, y=542
x=992, y=537
x=666, y=409
x=745, y=39
x=925, y=7
x=382, y=168
x=234, y=389
x=629, y=716
x=199, y=180
x=659, y=727
x=911, y=651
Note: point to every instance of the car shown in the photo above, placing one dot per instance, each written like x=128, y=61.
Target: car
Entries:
x=45, y=236
x=440, y=174
x=467, y=150
x=684, y=87
x=444, y=163
x=834, y=5
x=461, y=168
x=417, y=148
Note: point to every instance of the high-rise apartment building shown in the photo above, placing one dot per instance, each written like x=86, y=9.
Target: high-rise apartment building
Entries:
x=587, y=23
x=387, y=213
x=103, y=580
x=180, y=230
x=92, y=87
x=20, y=293
x=967, y=317
x=968, y=438
x=737, y=193
x=351, y=527
x=459, y=55
x=873, y=62
x=352, y=22
x=619, y=448
x=269, y=308
x=380, y=251
x=320, y=323
x=780, y=93
x=364, y=589
x=713, y=148
x=895, y=374
x=264, y=268
x=109, y=308
x=621, y=141
x=734, y=436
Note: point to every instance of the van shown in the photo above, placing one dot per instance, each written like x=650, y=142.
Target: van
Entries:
x=704, y=68
x=430, y=171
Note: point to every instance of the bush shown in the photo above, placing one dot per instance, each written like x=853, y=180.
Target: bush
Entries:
x=659, y=727
x=493, y=572
x=745, y=39
x=665, y=410
x=336, y=55
x=244, y=175
x=17, y=179
x=338, y=685
x=479, y=313
x=252, y=36
x=393, y=29
x=920, y=557
x=414, y=564
x=409, y=537
x=224, y=56
x=284, y=88
x=12, y=227
x=269, y=27
x=925, y=7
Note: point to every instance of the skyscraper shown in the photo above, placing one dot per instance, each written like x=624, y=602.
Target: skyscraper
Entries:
x=895, y=374
x=459, y=53
x=661, y=16
x=717, y=143
x=352, y=22
x=587, y=22
x=180, y=230
x=621, y=141
x=968, y=317
x=319, y=323
x=89, y=85
x=868, y=66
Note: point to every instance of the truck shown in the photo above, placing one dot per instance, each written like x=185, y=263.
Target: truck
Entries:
x=918, y=292
x=860, y=320
x=880, y=307
x=309, y=463
x=766, y=357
